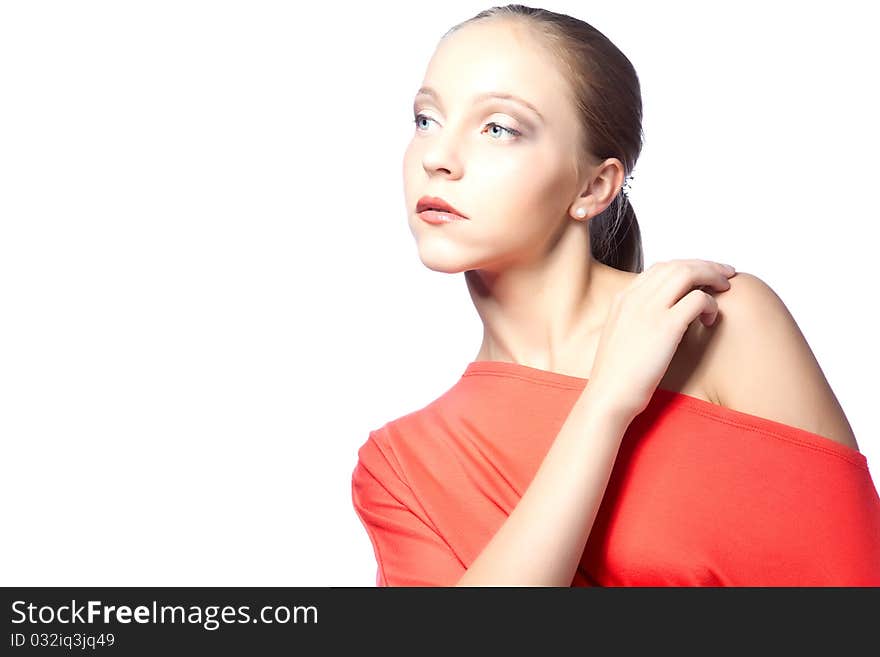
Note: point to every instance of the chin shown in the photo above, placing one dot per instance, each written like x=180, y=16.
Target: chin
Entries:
x=445, y=259
x=444, y=267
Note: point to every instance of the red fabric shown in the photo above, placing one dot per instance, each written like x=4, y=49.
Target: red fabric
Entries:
x=700, y=494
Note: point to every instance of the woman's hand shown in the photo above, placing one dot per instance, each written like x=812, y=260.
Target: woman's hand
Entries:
x=645, y=325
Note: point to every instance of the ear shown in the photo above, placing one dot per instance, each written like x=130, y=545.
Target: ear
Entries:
x=602, y=184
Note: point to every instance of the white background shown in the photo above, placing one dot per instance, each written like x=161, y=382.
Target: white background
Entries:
x=209, y=294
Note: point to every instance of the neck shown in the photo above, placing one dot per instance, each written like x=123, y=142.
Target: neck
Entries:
x=545, y=314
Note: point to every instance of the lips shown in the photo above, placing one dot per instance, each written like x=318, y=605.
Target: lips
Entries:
x=436, y=203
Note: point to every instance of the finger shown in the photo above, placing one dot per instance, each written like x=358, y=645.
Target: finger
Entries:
x=657, y=277
x=695, y=303
x=692, y=274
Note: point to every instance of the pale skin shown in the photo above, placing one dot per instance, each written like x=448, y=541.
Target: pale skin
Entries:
x=544, y=300
x=541, y=295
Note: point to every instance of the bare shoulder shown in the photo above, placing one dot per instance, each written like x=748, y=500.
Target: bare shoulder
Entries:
x=758, y=361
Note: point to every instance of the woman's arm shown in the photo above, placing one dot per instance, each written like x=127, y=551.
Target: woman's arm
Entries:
x=543, y=539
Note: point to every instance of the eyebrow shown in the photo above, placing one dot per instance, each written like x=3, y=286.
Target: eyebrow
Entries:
x=428, y=91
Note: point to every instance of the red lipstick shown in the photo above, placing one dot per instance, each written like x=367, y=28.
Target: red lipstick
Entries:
x=435, y=210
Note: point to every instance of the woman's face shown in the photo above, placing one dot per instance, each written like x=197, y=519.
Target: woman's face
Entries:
x=510, y=170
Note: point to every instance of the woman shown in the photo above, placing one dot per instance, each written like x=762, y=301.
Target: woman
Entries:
x=601, y=436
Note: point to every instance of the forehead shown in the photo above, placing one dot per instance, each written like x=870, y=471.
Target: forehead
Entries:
x=500, y=57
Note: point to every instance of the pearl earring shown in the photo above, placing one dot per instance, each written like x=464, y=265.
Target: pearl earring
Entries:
x=581, y=212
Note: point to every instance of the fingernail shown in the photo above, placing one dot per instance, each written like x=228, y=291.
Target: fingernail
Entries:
x=730, y=267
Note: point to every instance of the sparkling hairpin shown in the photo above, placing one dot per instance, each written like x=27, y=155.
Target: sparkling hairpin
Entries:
x=627, y=185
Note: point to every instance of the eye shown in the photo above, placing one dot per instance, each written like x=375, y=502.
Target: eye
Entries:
x=510, y=131
x=421, y=116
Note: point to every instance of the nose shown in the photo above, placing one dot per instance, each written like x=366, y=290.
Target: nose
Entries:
x=442, y=153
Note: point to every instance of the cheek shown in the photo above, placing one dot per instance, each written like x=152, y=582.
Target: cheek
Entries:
x=529, y=186
x=410, y=170
x=408, y=158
